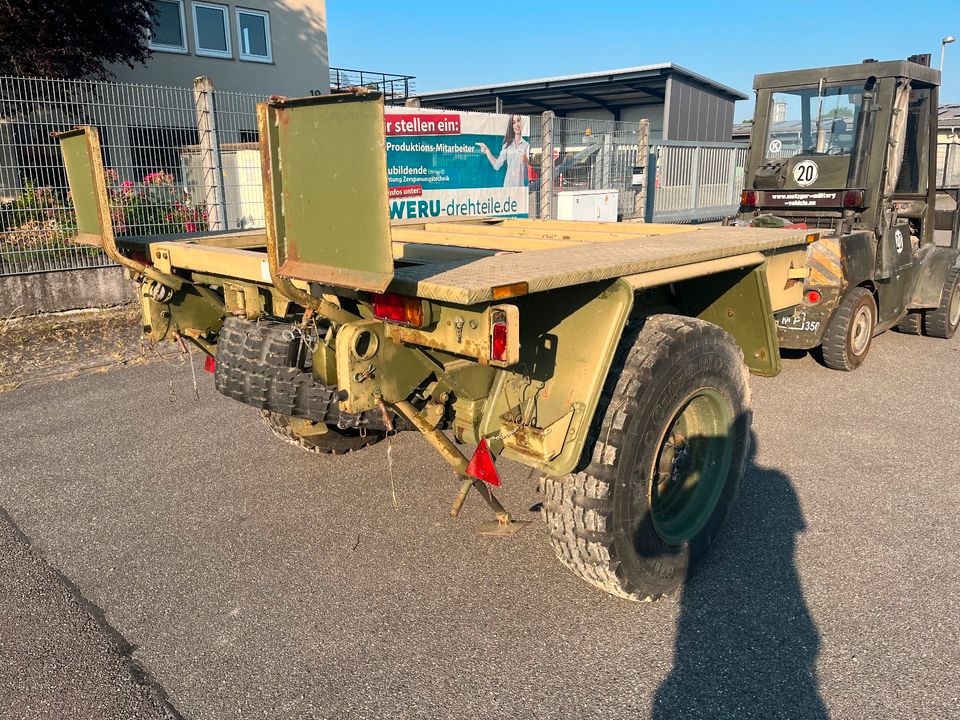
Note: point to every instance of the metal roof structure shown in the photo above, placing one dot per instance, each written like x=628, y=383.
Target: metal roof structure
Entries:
x=608, y=89
x=949, y=116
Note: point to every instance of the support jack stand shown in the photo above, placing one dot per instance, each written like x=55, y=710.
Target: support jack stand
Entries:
x=504, y=525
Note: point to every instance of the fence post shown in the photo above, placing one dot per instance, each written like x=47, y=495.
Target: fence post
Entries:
x=210, y=162
x=695, y=178
x=606, y=163
x=946, y=164
x=651, y=173
x=546, y=165
x=643, y=155
x=734, y=194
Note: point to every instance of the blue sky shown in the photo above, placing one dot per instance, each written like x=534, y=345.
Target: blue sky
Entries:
x=454, y=44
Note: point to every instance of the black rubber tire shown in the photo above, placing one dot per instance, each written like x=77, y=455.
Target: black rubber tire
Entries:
x=911, y=323
x=600, y=518
x=838, y=342
x=333, y=442
x=938, y=320
x=257, y=365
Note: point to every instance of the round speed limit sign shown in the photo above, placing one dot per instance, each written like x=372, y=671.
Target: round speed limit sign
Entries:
x=805, y=173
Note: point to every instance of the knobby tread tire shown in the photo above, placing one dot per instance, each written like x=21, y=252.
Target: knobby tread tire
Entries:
x=581, y=509
x=257, y=365
x=333, y=442
x=938, y=319
x=837, y=353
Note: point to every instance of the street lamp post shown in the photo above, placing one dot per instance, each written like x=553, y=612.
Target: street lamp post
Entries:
x=943, y=47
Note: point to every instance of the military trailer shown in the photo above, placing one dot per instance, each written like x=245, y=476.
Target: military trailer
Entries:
x=851, y=150
x=613, y=358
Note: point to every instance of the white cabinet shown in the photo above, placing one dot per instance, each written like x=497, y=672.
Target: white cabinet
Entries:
x=587, y=205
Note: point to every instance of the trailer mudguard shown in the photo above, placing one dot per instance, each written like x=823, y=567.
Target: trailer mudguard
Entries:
x=542, y=407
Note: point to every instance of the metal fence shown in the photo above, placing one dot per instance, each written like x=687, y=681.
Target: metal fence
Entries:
x=691, y=181
x=183, y=160
x=395, y=88
x=583, y=154
x=178, y=160
x=948, y=165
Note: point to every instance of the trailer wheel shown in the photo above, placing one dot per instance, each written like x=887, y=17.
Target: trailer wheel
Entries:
x=333, y=442
x=663, y=462
x=943, y=321
x=849, y=334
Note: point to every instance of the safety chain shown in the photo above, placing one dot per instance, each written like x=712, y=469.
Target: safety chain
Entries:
x=519, y=426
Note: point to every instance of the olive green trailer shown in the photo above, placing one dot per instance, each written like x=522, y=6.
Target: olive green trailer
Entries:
x=613, y=358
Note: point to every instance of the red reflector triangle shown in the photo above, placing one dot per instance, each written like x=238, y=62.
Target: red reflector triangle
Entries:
x=481, y=465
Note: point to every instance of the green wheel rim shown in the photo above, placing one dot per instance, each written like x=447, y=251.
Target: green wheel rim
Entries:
x=691, y=466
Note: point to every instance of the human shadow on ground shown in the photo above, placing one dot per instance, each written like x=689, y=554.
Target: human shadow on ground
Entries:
x=746, y=644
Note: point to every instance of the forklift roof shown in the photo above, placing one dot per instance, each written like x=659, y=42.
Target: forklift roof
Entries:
x=843, y=73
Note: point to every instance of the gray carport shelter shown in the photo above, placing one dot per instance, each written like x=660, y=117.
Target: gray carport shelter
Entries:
x=679, y=103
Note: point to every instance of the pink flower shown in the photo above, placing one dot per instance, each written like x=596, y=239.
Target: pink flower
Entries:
x=190, y=227
x=127, y=184
x=158, y=178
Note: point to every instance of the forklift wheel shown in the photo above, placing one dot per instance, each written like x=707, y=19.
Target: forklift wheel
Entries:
x=943, y=321
x=911, y=323
x=847, y=339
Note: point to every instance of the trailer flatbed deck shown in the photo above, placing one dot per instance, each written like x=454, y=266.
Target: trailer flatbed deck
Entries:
x=463, y=262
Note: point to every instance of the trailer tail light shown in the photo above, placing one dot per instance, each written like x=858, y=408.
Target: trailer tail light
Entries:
x=210, y=364
x=812, y=297
x=398, y=309
x=504, y=335
x=853, y=199
x=498, y=340
x=749, y=198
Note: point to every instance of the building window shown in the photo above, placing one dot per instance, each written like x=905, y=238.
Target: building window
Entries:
x=253, y=28
x=212, y=31
x=168, y=31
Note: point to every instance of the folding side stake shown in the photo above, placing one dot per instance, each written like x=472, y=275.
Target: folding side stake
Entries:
x=504, y=524
x=83, y=160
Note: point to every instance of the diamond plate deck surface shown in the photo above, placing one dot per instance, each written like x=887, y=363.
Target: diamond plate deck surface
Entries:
x=472, y=281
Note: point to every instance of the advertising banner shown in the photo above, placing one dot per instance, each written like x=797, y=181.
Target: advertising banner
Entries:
x=445, y=164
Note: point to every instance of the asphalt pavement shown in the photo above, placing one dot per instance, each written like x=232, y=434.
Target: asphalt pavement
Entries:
x=244, y=578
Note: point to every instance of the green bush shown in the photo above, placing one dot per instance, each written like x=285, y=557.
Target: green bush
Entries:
x=39, y=217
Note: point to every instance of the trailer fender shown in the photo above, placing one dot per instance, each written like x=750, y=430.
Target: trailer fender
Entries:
x=541, y=408
x=739, y=302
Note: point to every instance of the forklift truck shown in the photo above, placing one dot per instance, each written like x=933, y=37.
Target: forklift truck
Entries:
x=851, y=150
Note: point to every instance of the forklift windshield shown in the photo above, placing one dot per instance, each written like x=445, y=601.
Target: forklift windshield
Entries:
x=806, y=121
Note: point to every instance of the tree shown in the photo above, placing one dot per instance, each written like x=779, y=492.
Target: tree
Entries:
x=72, y=38
x=844, y=111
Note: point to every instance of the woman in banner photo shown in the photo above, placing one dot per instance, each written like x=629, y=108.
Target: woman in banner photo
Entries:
x=515, y=151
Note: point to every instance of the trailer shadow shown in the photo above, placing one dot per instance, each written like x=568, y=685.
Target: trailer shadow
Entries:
x=746, y=644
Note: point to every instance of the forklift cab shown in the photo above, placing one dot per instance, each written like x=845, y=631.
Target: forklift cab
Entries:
x=851, y=149
x=847, y=147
